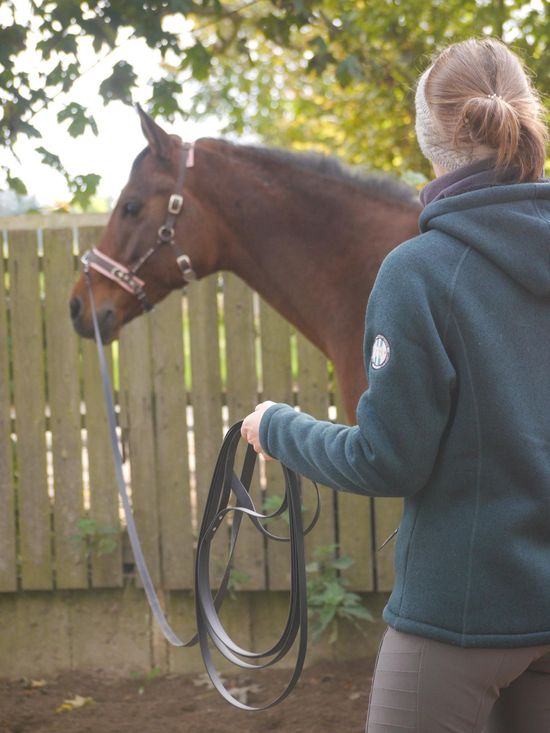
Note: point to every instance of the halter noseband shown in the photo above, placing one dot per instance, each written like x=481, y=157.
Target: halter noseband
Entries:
x=126, y=277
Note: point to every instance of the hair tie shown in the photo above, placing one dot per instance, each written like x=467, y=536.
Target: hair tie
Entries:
x=494, y=96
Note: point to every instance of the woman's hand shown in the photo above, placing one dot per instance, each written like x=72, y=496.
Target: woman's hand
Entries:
x=250, y=429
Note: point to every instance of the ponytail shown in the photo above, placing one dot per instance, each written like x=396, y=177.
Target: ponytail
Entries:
x=481, y=96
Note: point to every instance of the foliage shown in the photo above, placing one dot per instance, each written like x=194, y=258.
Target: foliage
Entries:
x=236, y=579
x=97, y=538
x=328, y=599
x=333, y=74
x=270, y=504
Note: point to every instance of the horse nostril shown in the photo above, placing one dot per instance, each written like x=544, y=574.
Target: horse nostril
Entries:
x=75, y=306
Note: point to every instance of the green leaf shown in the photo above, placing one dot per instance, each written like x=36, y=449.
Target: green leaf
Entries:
x=51, y=159
x=349, y=69
x=28, y=129
x=358, y=612
x=164, y=98
x=16, y=184
x=342, y=563
x=79, y=119
x=198, y=60
x=83, y=188
x=119, y=85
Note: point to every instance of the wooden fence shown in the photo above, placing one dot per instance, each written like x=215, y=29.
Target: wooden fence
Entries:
x=183, y=373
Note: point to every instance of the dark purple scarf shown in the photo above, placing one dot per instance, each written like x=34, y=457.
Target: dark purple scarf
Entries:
x=479, y=174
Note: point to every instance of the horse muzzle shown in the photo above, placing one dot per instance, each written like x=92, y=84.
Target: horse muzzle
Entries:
x=83, y=324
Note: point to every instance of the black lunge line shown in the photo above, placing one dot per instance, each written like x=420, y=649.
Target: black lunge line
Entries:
x=224, y=481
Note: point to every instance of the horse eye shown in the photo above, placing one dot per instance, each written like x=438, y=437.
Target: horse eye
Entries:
x=131, y=208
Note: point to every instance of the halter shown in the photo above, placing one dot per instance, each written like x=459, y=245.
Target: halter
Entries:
x=126, y=277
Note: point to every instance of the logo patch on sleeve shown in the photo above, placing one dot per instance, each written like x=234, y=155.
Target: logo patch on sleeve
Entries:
x=380, y=352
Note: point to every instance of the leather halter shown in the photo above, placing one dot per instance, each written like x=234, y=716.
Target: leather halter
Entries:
x=125, y=276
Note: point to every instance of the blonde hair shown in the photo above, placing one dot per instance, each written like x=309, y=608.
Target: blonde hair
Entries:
x=480, y=93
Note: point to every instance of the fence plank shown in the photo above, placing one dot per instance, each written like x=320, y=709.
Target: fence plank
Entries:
x=313, y=399
x=8, y=568
x=64, y=400
x=354, y=528
x=242, y=397
x=136, y=383
x=206, y=397
x=28, y=375
x=171, y=444
x=276, y=386
x=106, y=569
x=156, y=415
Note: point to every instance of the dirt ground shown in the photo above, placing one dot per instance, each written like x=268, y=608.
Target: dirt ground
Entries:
x=330, y=696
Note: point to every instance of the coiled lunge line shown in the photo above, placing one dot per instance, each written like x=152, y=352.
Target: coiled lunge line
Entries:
x=224, y=483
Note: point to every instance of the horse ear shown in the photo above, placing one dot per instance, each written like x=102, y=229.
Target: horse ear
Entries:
x=158, y=139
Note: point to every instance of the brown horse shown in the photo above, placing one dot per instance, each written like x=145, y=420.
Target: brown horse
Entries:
x=303, y=231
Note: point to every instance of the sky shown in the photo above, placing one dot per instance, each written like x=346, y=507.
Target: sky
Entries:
x=111, y=152
x=120, y=139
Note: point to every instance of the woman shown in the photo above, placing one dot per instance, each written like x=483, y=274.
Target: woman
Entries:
x=456, y=418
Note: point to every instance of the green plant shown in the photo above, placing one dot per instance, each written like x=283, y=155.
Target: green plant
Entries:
x=236, y=578
x=272, y=503
x=144, y=677
x=100, y=539
x=328, y=598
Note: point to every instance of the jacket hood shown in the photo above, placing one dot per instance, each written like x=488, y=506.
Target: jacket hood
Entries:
x=508, y=224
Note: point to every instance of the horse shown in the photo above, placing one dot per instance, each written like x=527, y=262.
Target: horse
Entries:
x=304, y=231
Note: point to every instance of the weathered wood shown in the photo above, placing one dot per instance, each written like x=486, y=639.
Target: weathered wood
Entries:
x=8, y=569
x=242, y=397
x=136, y=383
x=64, y=401
x=172, y=453
x=206, y=398
x=313, y=399
x=33, y=222
x=153, y=408
x=276, y=386
x=34, y=507
x=354, y=529
x=106, y=569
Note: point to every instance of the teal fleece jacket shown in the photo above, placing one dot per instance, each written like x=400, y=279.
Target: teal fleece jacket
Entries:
x=456, y=419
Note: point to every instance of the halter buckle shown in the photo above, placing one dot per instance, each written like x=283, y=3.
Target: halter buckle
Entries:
x=175, y=204
x=184, y=263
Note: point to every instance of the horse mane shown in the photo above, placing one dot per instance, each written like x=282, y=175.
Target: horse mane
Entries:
x=376, y=184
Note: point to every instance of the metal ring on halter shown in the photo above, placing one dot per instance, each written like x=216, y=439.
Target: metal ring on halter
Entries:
x=166, y=234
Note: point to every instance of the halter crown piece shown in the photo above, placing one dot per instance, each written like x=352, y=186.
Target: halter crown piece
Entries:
x=126, y=277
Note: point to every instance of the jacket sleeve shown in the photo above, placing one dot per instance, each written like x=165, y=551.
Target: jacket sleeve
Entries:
x=402, y=415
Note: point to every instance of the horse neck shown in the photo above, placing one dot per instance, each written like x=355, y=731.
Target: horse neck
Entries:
x=302, y=240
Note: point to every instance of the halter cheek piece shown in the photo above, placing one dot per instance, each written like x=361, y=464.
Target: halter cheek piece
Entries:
x=126, y=277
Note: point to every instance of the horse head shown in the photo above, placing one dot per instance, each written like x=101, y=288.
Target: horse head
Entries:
x=157, y=239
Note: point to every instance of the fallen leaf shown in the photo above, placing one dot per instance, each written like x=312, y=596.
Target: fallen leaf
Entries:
x=78, y=701
x=203, y=680
x=241, y=693
x=29, y=684
x=36, y=684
